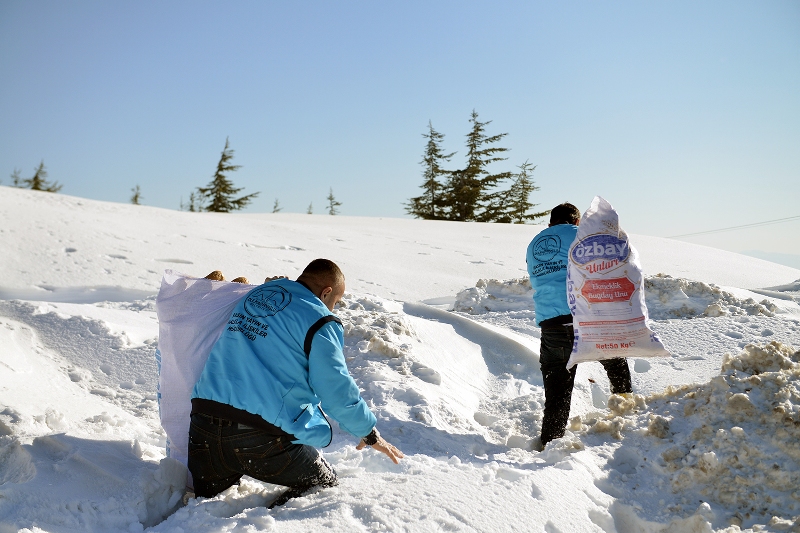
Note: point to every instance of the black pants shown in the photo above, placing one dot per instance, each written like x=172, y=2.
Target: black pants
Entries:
x=558, y=381
x=221, y=452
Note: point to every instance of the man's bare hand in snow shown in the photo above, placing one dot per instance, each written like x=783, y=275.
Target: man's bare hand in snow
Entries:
x=385, y=448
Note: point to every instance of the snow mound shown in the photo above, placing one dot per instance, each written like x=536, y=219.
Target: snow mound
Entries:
x=374, y=328
x=437, y=383
x=96, y=359
x=788, y=287
x=789, y=291
x=666, y=298
x=730, y=443
x=669, y=297
x=491, y=295
x=64, y=483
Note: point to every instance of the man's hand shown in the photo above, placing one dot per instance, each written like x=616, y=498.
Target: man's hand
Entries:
x=385, y=448
x=218, y=276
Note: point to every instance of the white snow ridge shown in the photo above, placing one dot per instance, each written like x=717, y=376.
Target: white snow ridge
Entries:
x=707, y=443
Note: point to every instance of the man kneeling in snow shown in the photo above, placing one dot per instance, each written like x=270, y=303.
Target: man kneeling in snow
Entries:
x=256, y=407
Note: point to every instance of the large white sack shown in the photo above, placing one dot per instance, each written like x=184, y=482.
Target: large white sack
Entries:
x=605, y=291
x=192, y=312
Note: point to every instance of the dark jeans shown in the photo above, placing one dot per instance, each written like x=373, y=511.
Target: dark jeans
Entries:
x=221, y=452
x=558, y=381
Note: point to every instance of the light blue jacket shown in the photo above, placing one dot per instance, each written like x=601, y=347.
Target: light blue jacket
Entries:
x=547, y=267
x=279, y=358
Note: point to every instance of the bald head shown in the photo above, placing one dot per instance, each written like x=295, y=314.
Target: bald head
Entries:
x=325, y=279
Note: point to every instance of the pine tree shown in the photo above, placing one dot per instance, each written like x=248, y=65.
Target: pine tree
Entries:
x=332, y=204
x=39, y=181
x=310, y=210
x=194, y=204
x=516, y=201
x=473, y=193
x=220, y=191
x=470, y=193
x=137, y=196
x=16, y=179
x=431, y=203
x=480, y=153
x=276, y=207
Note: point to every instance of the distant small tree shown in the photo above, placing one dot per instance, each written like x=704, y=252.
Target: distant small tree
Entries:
x=194, y=203
x=310, y=210
x=16, y=179
x=39, y=181
x=220, y=191
x=332, y=204
x=137, y=196
x=516, y=203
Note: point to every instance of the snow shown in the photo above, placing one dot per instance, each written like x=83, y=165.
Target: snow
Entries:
x=440, y=336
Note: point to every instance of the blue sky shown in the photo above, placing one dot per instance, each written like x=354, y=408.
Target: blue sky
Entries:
x=684, y=115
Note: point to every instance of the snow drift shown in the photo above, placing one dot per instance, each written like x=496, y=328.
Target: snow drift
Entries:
x=708, y=443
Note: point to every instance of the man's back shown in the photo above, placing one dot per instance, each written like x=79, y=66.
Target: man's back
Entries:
x=265, y=363
x=256, y=409
x=547, y=267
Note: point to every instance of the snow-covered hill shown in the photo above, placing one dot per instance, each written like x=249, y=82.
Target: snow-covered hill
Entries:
x=709, y=443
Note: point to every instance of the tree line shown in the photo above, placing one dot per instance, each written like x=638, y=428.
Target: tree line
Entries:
x=37, y=182
x=473, y=193
x=220, y=195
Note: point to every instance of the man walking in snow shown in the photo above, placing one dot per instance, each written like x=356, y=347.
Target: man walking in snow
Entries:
x=256, y=407
x=547, y=267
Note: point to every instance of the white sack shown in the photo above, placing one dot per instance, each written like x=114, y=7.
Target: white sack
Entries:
x=605, y=291
x=192, y=312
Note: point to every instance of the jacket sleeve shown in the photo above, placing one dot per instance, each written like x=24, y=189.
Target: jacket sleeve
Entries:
x=331, y=382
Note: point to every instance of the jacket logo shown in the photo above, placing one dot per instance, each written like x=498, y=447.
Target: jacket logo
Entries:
x=266, y=301
x=545, y=248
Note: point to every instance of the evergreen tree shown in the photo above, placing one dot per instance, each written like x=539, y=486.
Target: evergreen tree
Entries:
x=137, y=196
x=310, y=210
x=332, y=204
x=276, y=207
x=473, y=193
x=194, y=204
x=16, y=179
x=220, y=191
x=470, y=193
x=39, y=181
x=431, y=203
x=516, y=203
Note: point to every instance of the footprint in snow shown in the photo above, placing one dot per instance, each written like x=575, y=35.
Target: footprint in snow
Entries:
x=599, y=397
x=426, y=374
x=485, y=419
x=641, y=366
x=179, y=261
